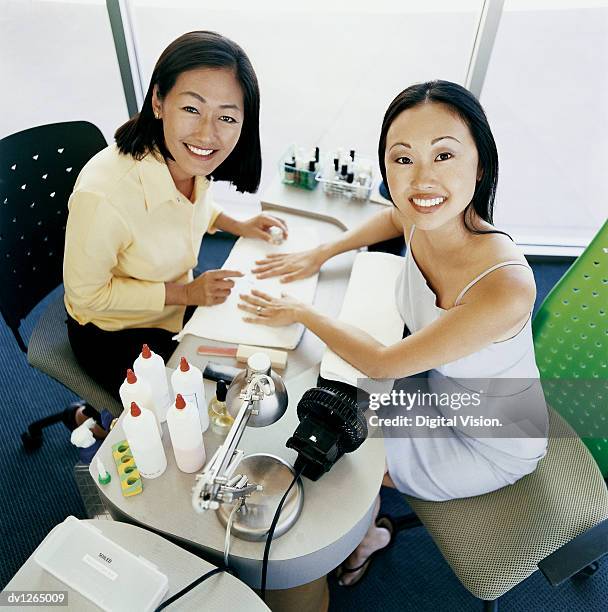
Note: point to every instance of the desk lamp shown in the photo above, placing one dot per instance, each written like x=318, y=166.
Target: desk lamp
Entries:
x=263, y=401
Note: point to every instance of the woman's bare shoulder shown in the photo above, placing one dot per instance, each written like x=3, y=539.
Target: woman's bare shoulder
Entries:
x=494, y=248
x=513, y=283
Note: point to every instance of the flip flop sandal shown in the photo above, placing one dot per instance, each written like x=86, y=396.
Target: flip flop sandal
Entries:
x=385, y=522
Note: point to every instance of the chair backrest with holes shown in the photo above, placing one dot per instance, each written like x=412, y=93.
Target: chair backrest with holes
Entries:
x=571, y=346
x=38, y=169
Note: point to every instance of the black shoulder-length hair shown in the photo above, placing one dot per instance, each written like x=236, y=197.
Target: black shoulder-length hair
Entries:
x=143, y=134
x=466, y=106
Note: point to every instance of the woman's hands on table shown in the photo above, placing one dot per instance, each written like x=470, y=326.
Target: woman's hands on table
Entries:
x=290, y=266
x=264, y=309
x=211, y=287
x=259, y=227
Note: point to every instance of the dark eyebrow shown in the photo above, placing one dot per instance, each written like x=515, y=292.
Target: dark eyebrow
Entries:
x=201, y=99
x=435, y=140
x=442, y=137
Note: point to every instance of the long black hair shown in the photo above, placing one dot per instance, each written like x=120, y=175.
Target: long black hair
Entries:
x=467, y=107
x=143, y=133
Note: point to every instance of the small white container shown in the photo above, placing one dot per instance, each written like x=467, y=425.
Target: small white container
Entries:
x=184, y=426
x=144, y=441
x=187, y=380
x=101, y=570
x=151, y=367
x=135, y=389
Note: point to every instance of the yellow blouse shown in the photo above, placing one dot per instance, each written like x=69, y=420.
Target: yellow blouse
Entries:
x=129, y=231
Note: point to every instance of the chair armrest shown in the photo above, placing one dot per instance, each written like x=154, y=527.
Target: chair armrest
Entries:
x=577, y=554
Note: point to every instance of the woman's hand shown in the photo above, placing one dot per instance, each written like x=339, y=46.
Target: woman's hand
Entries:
x=291, y=266
x=267, y=310
x=259, y=227
x=211, y=287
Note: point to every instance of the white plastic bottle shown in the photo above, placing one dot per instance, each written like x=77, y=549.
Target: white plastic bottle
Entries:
x=151, y=367
x=137, y=390
x=187, y=380
x=144, y=440
x=184, y=426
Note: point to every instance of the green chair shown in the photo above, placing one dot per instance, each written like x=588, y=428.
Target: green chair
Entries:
x=571, y=345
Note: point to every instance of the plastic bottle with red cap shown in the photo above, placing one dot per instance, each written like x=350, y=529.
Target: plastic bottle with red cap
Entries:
x=136, y=389
x=187, y=380
x=150, y=367
x=144, y=441
x=186, y=434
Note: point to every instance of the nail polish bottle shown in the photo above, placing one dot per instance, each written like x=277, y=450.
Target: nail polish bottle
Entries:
x=289, y=171
x=312, y=170
x=221, y=419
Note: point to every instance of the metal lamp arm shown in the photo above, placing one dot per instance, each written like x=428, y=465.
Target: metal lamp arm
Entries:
x=217, y=482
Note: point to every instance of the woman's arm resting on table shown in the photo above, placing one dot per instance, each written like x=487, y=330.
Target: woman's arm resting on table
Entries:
x=256, y=227
x=211, y=287
x=491, y=308
x=95, y=235
x=214, y=286
x=292, y=266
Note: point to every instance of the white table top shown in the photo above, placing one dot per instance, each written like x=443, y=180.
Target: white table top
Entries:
x=180, y=567
x=342, y=212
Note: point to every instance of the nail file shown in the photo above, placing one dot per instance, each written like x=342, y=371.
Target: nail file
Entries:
x=216, y=351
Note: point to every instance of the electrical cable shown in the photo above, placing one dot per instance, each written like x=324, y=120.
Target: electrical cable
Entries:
x=236, y=508
x=173, y=598
x=215, y=570
x=275, y=520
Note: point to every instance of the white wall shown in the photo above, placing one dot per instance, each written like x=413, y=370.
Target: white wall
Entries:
x=58, y=63
x=329, y=68
x=546, y=96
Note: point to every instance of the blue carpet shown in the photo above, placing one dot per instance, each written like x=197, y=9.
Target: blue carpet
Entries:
x=38, y=491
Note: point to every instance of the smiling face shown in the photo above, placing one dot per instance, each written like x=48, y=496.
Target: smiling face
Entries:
x=431, y=165
x=202, y=118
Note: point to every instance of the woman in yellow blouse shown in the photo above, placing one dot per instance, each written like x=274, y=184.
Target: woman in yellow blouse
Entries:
x=140, y=208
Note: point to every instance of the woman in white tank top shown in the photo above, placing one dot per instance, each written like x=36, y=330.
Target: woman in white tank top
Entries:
x=465, y=294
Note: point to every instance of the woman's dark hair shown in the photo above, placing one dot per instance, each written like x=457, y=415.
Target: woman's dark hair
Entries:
x=143, y=133
x=464, y=104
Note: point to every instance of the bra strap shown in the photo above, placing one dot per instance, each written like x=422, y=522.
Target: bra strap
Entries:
x=409, y=240
x=513, y=262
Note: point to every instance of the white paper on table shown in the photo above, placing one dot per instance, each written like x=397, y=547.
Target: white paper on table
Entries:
x=369, y=304
x=224, y=322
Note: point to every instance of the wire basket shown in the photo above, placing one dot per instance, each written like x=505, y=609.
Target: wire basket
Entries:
x=358, y=189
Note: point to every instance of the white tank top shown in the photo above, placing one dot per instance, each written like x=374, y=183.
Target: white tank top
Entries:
x=511, y=359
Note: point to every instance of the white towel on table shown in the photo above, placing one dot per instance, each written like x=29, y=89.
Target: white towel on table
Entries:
x=369, y=304
x=224, y=322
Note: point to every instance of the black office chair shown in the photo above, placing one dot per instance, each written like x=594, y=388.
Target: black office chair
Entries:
x=38, y=170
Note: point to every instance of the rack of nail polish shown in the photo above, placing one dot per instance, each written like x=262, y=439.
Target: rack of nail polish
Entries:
x=299, y=167
x=347, y=175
